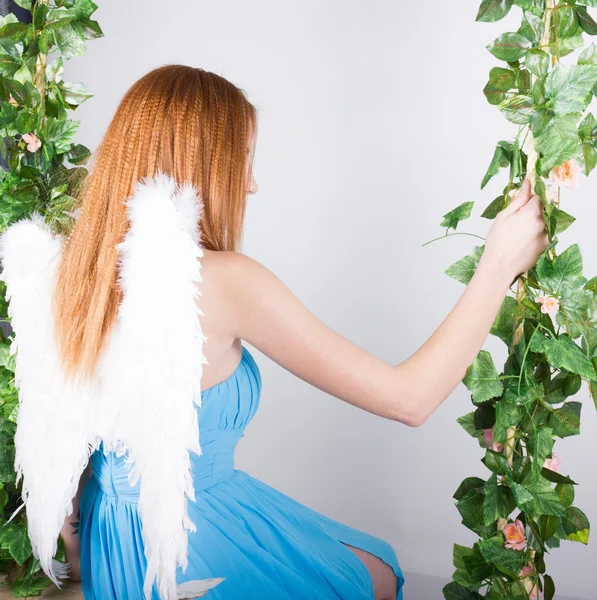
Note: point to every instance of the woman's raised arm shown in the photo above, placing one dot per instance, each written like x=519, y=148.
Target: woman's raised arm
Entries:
x=265, y=313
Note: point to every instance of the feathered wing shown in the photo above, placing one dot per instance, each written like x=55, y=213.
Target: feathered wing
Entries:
x=53, y=429
x=151, y=370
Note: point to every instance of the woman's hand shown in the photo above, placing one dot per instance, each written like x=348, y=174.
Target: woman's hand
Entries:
x=517, y=237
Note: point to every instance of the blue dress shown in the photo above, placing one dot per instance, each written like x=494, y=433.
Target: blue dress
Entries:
x=266, y=545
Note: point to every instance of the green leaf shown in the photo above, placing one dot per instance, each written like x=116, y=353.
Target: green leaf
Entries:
x=16, y=538
x=568, y=86
x=59, y=132
x=502, y=158
x=470, y=508
x=567, y=22
x=498, y=502
x=510, y=47
x=576, y=525
x=562, y=220
x=558, y=142
x=482, y=378
x=542, y=445
x=521, y=494
x=565, y=421
x=545, y=499
x=468, y=484
x=503, y=326
x=500, y=81
x=588, y=56
x=464, y=269
x=74, y=94
x=562, y=274
x=455, y=591
x=506, y=415
x=537, y=62
x=587, y=23
x=549, y=588
x=506, y=560
x=518, y=109
x=468, y=424
x=532, y=28
x=565, y=493
x=563, y=353
x=494, y=209
x=493, y=10
x=460, y=213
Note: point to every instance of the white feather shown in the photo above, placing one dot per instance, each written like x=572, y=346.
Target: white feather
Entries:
x=142, y=401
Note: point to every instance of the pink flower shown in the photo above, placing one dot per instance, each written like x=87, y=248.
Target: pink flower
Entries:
x=553, y=463
x=527, y=570
x=32, y=141
x=567, y=175
x=488, y=439
x=548, y=304
x=530, y=584
x=514, y=534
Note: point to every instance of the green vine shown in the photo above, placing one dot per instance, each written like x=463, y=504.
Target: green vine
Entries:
x=525, y=508
x=44, y=173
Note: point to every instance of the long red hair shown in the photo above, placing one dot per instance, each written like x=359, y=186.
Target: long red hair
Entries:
x=182, y=121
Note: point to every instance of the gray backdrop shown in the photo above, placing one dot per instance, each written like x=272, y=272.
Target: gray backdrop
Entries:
x=372, y=125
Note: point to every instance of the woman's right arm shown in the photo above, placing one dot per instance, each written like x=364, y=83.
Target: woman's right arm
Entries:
x=265, y=313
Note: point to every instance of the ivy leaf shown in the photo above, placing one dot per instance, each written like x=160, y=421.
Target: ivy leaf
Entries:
x=506, y=560
x=567, y=23
x=568, y=86
x=502, y=157
x=498, y=503
x=558, y=141
x=16, y=539
x=510, y=47
x=460, y=213
x=74, y=94
x=464, y=269
x=563, y=273
x=493, y=10
x=456, y=591
x=565, y=421
x=576, y=525
x=563, y=353
x=467, y=422
x=545, y=500
x=503, y=326
x=482, y=378
x=542, y=444
x=494, y=209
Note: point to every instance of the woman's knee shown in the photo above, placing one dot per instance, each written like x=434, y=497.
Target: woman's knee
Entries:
x=385, y=582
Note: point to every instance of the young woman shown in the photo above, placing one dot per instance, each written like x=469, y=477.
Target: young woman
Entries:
x=197, y=127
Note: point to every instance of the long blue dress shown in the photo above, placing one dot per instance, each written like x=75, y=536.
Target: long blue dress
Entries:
x=266, y=545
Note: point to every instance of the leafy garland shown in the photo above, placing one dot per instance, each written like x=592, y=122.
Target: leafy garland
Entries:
x=36, y=142
x=526, y=506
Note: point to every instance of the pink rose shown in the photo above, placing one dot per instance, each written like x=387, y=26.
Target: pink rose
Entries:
x=553, y=463
x=548, y=304
x=488, y=439
x=514, y=534
x=567, y=175
x=32, y=141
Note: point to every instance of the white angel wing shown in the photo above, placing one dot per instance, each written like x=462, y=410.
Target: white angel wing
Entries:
x=197, y=588
x=53, y=423
x=151, y=370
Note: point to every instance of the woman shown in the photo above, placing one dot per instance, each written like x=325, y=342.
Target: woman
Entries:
x=197, y=127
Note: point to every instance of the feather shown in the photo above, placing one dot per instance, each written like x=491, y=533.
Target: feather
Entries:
x=142, y=401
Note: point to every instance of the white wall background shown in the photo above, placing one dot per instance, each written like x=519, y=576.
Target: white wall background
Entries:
x=372, y=125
